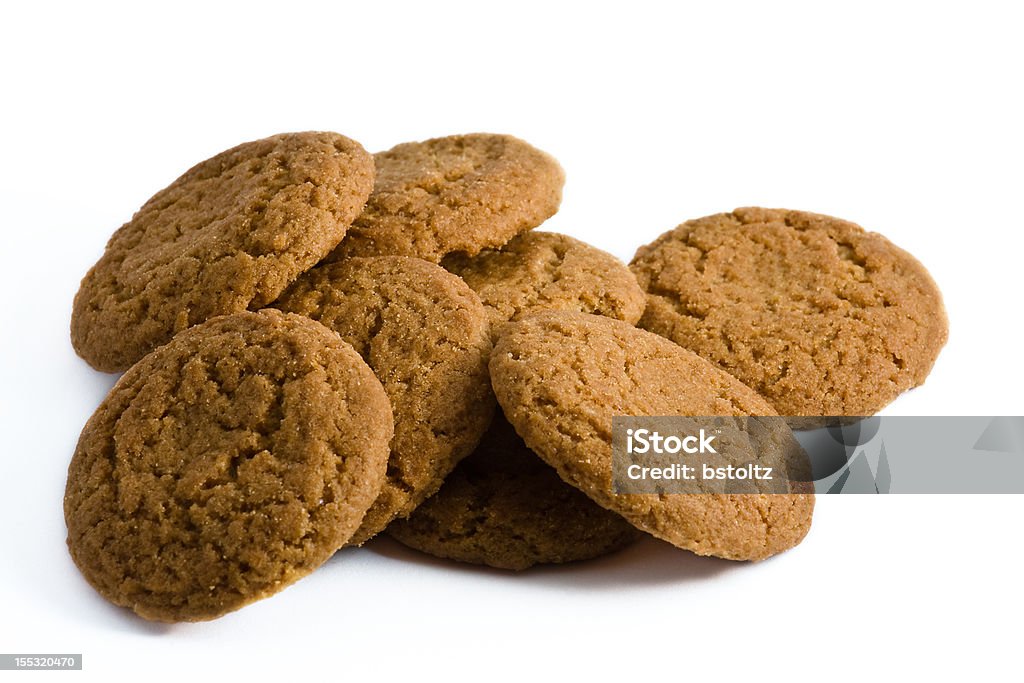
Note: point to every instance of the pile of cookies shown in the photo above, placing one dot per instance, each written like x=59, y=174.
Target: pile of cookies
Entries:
x=320, y=345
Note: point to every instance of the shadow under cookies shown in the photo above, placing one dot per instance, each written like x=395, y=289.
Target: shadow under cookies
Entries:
x=645, y=563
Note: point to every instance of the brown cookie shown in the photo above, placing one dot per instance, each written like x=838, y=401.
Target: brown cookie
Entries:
x=226, y=465
x=461, y=193
x=504, y=507
x=227, y=236
x=425, y=334
x=816, y=314
x=561, y=377
x=547, y=271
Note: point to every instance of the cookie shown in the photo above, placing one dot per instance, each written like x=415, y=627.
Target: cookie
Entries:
x=560, y=378
x=228, y=235
x=425, y=335
x=816, y=314
x=226, y=465
x=461, y=193
x=544, y=270
x=504, y=507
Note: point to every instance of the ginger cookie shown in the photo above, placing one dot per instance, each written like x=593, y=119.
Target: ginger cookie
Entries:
x=425, y=335
x=226, y=465
x=228, y=235
x=816, y=314
x=461, y=193
x=504, y=507
x=560, y=378
x=548, y=271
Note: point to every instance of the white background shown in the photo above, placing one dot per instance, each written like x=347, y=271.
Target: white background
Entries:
x=905, y=118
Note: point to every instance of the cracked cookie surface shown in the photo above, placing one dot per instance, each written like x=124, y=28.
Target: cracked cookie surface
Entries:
x=461, y=193
x=425, y=335
x=226, y=465
x=228, y=235
x=818, y=315
x=504, y=507
x=560, y=378
x=547, y=271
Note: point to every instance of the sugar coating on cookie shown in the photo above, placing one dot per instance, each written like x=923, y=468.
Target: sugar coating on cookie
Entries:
x=461, y=193
x=560, y=378
x=425, y=335
x=547, y=271
x=818, y=315
x=226, y=465
x=504, y=507
x=228, y=235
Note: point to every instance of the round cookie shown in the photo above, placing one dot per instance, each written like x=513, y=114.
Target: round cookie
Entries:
x=545, y=270
x=816, y=314
x=504, y=507
x=560, y=378
x=226, y=465
x=461, y=193
x=226, y=236
x=425, y=335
